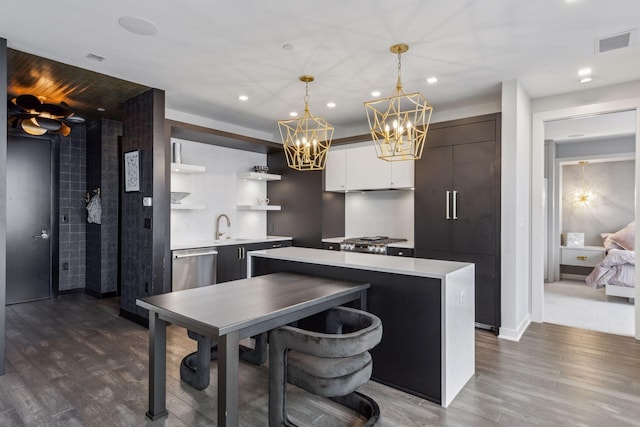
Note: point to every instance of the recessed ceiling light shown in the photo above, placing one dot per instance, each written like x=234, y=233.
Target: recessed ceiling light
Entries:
x=101, y=109
x=138, y=26
x=331, y=104
x=375, y=93
x=95, y=57
x=584, y=72
x=287, y=46
x=432, y=80
x=243, y=98
x=586, y=79
x=293, y=114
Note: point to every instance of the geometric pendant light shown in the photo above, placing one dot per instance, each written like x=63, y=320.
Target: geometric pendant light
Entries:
x=399, y=123
x=306, y=140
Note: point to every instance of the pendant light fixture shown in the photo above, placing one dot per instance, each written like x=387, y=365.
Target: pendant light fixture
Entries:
x=584, y=196
x=399, y=123
x=36, y=117
x=306, y=140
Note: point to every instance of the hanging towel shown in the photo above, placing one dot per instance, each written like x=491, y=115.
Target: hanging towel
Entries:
x=95, y=209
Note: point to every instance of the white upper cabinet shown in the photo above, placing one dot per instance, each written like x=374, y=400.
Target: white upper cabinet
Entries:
x=335, y=168
x=357, y=167
x=402, y=174
x=365, y=171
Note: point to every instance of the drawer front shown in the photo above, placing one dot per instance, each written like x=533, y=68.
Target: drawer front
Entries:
x=581, y=257
x=408, y=252
x=331, y=246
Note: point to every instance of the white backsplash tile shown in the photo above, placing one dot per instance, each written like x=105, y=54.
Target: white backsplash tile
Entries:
x=220, y=190
x=382, y=213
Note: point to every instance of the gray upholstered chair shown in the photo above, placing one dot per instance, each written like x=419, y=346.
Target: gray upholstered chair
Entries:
x=332, y=364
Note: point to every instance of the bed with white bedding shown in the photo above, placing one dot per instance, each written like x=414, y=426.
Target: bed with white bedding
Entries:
x=617, y=271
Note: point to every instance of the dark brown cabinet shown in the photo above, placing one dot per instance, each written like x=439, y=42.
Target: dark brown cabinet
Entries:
x=331, y=246
x=406, y=252
x=457, y=204
x=232, y=259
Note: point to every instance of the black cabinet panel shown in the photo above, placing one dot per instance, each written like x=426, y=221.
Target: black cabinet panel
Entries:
x=433, y=176
x=228, y=263
x=406, y=252
x=232, y=259
x=474, y=180
x=457, y=204
x=331, y=246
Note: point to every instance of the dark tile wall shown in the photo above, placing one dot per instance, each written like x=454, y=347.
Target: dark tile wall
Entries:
x=102, y=239
x=111, y=132
x=136, y=240
x=73, y=207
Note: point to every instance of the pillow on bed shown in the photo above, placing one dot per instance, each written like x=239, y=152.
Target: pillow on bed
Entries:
x=626, y=237
x=608, y=243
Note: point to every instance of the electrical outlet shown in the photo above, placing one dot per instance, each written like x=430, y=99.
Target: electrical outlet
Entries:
x=65, y=265
x=64, y=218
x=146, y=287
x=147, y=223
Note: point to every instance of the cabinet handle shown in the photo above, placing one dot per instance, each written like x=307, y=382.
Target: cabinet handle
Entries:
x=455, y=204
x=277, y=245
x=581, y=258
x=400, y=253
x=447, y=203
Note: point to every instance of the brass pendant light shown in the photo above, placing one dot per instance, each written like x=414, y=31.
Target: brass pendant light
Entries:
x=306, y=140
x=399, y=123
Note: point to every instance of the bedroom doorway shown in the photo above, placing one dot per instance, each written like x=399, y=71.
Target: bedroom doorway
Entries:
x=591, y=186
x=546, y=250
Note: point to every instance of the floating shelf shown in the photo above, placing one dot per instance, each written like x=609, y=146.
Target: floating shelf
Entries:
x=258, y=207
x=186, y=206
x=260, y=176
x=184, y=168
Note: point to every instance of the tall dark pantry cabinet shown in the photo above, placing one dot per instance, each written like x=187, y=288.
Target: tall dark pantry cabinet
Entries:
x=457, y=204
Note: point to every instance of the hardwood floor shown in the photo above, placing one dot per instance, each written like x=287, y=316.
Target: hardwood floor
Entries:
x=74, y=362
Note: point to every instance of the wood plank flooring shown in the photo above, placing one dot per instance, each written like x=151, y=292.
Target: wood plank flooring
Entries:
x=74, y=362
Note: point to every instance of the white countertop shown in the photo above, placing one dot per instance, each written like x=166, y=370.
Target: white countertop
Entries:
x=407, y=244
x=371, y=262
x=224, y=242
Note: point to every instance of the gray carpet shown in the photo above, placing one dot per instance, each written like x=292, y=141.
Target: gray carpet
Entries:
x=573, y=303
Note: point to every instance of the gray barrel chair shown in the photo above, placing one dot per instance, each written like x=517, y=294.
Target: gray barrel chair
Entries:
x=332, y=364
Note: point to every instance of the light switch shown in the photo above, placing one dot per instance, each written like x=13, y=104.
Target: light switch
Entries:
x=147, y=201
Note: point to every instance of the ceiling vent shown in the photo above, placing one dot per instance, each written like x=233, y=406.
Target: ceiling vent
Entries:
x=617, y=41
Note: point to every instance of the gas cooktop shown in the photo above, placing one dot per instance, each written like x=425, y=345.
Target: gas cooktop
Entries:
x=373, y=244
x=373, y=240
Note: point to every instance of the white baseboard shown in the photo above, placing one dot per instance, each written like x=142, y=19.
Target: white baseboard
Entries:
x=515, y=334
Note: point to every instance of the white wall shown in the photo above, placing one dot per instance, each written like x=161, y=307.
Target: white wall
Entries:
x=515, y=211
x=379, y=213
x=614, y=185
x=220, y=190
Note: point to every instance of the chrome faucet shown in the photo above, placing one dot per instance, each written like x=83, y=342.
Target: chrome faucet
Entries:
x=218, y=232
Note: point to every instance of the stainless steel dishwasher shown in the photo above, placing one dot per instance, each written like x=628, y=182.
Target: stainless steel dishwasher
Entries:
x=192, y=268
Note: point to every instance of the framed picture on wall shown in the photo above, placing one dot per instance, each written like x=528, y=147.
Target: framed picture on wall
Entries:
x=132, y=171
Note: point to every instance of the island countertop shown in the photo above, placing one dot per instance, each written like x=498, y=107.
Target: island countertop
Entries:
x=386, y=264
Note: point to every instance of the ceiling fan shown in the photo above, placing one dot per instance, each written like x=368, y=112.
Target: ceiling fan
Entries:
x=36, y=117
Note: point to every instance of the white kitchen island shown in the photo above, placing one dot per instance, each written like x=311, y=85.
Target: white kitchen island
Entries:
x=426, y=306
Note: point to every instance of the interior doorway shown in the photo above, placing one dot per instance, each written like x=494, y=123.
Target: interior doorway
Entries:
x=31, y=207
x=538, y=214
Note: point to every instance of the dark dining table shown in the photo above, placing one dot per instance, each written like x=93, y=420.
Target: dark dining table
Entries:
x=231, y=311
